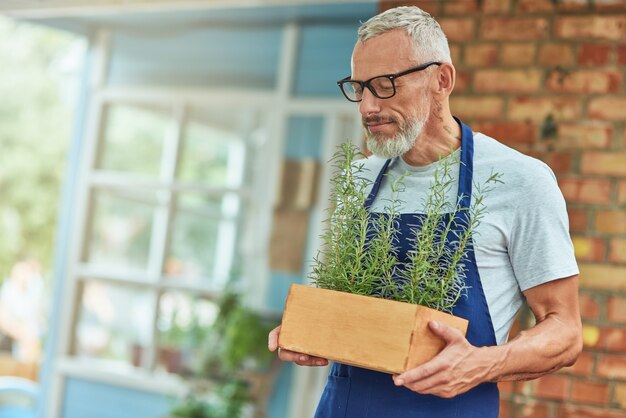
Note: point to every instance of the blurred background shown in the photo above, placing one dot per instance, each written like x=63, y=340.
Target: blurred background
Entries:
x=163, y=179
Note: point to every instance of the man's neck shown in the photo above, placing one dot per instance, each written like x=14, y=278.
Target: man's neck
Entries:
x=438, y=139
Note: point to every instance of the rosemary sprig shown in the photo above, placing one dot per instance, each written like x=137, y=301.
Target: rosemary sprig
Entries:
x=359, y=248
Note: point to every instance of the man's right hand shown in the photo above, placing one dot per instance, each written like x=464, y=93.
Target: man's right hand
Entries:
x=286, y=355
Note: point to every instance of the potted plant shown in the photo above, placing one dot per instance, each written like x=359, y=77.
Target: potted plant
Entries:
x=234, y=355
x=364, y=295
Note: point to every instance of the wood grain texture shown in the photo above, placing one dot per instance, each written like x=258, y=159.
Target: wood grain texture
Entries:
x=363, y=331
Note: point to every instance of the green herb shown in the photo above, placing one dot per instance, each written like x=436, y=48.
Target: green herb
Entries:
x=359, y=248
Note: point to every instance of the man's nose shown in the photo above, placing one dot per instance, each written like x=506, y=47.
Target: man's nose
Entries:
x=369, y=103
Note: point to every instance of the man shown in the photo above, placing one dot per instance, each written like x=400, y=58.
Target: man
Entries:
x=402, y=77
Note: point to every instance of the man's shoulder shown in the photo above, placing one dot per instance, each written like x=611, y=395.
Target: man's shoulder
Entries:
x=492, y=154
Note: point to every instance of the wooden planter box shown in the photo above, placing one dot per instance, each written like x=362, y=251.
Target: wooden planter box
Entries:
x=362, y=331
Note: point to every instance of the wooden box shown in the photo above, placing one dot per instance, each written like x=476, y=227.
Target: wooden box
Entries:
x=362, y=331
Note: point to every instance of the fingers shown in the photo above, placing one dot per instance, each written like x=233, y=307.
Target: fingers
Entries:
x=301, y=359
x=272, y=339
x=286, y=355
x=419, y=373
x=446, y=332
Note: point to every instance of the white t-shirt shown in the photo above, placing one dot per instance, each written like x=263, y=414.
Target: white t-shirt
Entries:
x=523, y=240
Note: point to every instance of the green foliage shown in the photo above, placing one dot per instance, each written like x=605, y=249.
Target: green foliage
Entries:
x=347, y=261
x=237, y=342
x=238, y=339
x=228, y=401
x=34, y=133
x=359, y=253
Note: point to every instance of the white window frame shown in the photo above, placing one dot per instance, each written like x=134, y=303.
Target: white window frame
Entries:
x=258, y=210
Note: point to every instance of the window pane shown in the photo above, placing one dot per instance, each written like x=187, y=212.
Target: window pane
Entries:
x=133, y=139
x=213, y=150
x=182, y=325
x=121, y=229
x=114, y=322
x=199, y=224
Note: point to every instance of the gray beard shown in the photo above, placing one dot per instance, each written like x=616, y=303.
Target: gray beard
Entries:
x=397, y=145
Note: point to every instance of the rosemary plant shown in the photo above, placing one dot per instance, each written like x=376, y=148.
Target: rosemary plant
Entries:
x=359, y=248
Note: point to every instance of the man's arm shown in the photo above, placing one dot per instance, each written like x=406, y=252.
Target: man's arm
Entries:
x=554, y=342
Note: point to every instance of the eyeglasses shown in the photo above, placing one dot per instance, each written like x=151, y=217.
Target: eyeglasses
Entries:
x=381, y=86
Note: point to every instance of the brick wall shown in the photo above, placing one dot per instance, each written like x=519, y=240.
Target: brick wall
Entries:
x=547, y=77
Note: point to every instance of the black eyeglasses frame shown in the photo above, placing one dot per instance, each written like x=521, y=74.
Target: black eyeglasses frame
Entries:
x=391, y=77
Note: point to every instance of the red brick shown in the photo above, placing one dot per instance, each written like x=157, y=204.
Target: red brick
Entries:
x=504, y=411
x=507, y=81
x=429, y=6
x=609, y=5
x=575, y=411
x=616, y=306
x=525, y=28
x=551, y=387
x=532, y=6
x=604, y=163
x=594, y=54
x=524, y=408
x=572, y=5
x=608, y=108
x=594, y=191
x=619, y=395
x=611, y=366
x=559, y=162
x=589, y=248
x=506, y=388
x=621, y=54
x=613, y=339
x=583, y=366
x=589, y=307
x=479, y=108
x=509, y=132
x=578, y=219
x=611, y=222
x=556, y=54
x=621, y=192
x=481, y=55
x=518, y=53
x=496, y=6
x=536, y=109
x=462, y=82
x=590, y=27
x=460, y=6
x=590, y=392
x=584, y=136
x=602, y=277
x=617, y=253
x=455, y=53
x=591, y=336
x=458, y=30
x=584, y=81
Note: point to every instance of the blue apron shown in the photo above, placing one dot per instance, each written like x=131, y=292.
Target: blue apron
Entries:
x=354, y=392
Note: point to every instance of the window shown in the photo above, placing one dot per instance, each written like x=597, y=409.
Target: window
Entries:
x=167, y=197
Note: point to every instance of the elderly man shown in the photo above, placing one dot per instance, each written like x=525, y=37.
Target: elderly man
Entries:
x=402, y=77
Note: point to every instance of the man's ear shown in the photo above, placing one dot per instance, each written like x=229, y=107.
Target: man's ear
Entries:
x=446, y=77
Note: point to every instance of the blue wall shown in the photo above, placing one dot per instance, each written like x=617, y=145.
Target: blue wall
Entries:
x=87, y=399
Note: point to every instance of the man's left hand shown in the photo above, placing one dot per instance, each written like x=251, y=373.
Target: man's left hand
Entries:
x=457, y=369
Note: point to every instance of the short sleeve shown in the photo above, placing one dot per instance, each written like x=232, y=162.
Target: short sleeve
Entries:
x=540, y=246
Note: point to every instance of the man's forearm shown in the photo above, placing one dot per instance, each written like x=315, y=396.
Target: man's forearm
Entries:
x=545, y=348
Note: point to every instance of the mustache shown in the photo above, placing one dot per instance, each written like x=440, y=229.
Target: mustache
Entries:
x=376, y=119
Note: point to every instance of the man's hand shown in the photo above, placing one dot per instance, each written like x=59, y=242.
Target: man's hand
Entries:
x=457, y=369
x=286, y=355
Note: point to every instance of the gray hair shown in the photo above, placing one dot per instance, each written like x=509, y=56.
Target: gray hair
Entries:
x=428, y=39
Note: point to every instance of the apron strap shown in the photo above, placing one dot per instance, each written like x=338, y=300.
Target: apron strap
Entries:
x=466, y=173
x=370, y=198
